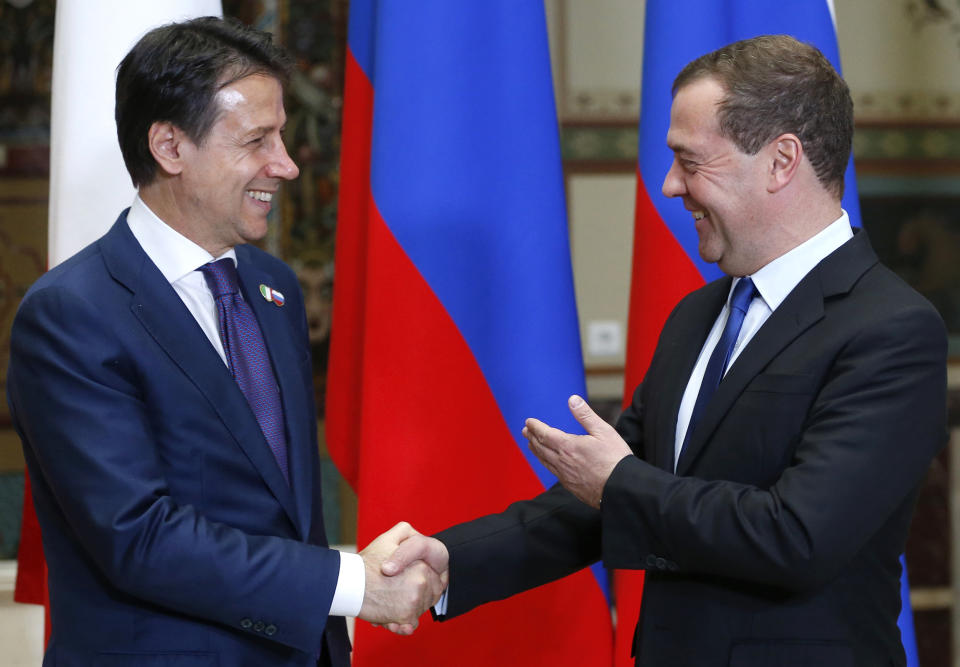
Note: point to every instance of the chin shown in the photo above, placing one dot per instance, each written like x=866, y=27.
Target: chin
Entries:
x=709, y=256
x=254, y=233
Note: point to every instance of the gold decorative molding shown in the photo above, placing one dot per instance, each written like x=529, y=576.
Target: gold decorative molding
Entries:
x=904, y=107
x=605, y=104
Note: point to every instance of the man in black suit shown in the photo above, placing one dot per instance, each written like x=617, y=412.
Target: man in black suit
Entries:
x=769, y=509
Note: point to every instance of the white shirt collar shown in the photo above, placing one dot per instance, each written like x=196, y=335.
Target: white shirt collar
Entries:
x=778, y=278
x=174, y=254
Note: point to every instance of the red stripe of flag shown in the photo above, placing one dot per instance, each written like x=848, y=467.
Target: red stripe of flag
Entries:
x=344, y=381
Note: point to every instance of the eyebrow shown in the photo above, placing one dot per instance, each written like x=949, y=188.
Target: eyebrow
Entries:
x=261, y=130
x=257, y=131
x=680, y=149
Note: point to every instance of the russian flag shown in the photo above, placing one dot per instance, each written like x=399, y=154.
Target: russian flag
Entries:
x=665, y=241
x=453, y=313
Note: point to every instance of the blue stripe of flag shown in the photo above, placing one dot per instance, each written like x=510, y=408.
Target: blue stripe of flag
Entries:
x=466, y=173
x=360, y=34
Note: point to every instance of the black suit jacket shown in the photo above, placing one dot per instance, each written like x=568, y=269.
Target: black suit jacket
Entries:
x=777, y=540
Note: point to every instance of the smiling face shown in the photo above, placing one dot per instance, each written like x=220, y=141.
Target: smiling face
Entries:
x=227, y=183
x=721, y=186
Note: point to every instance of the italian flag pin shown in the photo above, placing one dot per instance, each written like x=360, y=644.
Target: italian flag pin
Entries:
x=271, y=294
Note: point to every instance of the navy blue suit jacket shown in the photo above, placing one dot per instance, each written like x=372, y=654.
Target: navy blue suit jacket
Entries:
x=170, y=533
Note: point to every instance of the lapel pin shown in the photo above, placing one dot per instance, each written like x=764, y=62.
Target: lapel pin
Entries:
x=272, y=295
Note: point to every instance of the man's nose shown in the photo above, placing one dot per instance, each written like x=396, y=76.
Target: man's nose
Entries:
x=673, y=184
x=282, y=166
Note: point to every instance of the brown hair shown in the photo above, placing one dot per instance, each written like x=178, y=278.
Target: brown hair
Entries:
x=774, y=85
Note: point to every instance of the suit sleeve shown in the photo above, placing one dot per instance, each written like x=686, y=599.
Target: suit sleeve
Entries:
x=529, y=544
x=869, y=436
x=81, y=410
x=630, y=423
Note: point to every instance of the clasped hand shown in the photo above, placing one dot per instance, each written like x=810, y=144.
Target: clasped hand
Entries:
x=406, y=573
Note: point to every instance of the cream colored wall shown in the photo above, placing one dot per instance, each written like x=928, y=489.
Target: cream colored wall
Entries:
x=901, y=59
x=21, y=625
x=602, y=206
x=597, y=55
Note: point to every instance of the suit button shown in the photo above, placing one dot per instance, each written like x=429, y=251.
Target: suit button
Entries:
x=271, y=630
x=246, y=624
x=258, y=626
x=661, y=563
x=673, y=567
x=651, y=561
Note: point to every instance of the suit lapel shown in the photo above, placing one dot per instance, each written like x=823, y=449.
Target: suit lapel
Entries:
x=803, y=307
x=285, y=354
x=800, y=309
x=162, y=313
x=687, y=338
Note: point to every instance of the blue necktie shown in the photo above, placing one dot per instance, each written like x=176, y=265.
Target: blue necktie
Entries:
x=743, y=294
x=247, y=355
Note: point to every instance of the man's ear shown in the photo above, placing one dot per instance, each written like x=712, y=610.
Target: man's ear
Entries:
x=786, y=153
x=166, y=142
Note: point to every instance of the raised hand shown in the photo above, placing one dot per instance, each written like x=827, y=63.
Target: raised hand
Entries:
x=582, y=463
x=398, y=600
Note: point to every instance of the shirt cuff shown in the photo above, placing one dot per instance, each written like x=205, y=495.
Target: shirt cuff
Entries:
x=348, y=597
x=440, y=609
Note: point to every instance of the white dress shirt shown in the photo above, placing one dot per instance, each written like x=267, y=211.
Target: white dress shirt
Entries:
x=179, y=260
x=773, y=282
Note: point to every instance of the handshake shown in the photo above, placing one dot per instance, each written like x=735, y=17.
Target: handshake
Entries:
x=406, y=573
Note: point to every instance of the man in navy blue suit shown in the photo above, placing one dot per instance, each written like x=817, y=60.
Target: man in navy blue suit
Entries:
x=181, y=522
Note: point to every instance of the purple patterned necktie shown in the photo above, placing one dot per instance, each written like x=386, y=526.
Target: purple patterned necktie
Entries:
x=743, y=295
x=247, y=355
